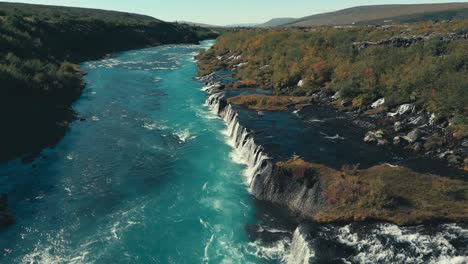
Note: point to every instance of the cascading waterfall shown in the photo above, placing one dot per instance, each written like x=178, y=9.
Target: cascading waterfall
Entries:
x=246, y=151
x=300, y=251
x=214, y=102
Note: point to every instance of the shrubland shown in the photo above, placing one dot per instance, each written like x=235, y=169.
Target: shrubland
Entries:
x=432, y=72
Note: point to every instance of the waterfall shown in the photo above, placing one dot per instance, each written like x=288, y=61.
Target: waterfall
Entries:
x=246, y=151
x=214, y=102
x=211, y=87
x=258, y=170
x=299, y=251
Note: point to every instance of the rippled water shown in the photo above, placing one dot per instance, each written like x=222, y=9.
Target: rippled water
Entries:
x=146, y=178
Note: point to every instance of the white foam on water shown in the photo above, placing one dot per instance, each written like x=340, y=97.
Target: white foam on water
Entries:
x=337, y=136
x=206, y=257
x=184, y=135
x=315, y=120
x=272, y=230
x=149, y=126
x=300, y=251
x=269, y=251
x=245, y=150
x=450, y=260
x=114, y=230
x=374, y=246
x=57, y=251
x=204, y=224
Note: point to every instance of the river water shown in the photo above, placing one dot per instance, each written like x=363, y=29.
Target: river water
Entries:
x=148, y=176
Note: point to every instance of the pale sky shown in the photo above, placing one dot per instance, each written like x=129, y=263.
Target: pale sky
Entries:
x=223, y=12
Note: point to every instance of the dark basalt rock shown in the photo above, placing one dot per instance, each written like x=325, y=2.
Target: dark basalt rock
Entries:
x=346, y=102
x=376, y=137
x=413, y=136
x=454, y=159
x=301, y=194
x=417, y=146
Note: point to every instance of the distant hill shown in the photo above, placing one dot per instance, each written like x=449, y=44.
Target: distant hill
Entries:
x=429, y=16
x=377, y=13
x=277, y=22
x=217, y=27
x=197, y=24
x=48, y=12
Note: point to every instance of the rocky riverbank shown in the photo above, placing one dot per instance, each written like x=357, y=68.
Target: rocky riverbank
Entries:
x=404, y=84
x=385, y=192
x=409, y=127
x=406, y=126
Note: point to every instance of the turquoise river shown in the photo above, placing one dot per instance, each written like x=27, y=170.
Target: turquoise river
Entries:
x=144, y=177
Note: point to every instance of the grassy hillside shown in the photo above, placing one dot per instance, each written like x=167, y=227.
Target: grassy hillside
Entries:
x=39, y=46
x=277, y=22
x=373, y=13
x=458, y=14
x=433, y=73
x=50, y=13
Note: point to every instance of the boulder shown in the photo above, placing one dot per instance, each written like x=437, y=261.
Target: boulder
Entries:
x=346, y=102
x=465, y=143
x=418, y=120
x=413, y=136
x=403, y=109
x=382, y=142
x=239, y=65
x=454, y=159
x=375, y=137
x=398, y=126
x=432, y=119
x=397, y=140
x=336, y=96
x=445, y=154
x=417, y=146
x=378, y=103
x=300, y=83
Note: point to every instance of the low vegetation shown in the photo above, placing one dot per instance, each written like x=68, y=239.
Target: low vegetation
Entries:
x=432, y=72
x=383, y=193
x=267, y=102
